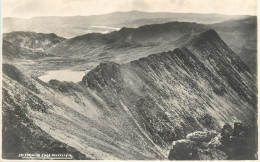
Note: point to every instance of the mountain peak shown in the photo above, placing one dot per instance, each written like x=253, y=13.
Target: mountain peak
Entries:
x=209, y=34
x=106, y=73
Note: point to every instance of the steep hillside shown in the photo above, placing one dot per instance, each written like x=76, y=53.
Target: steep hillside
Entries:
x=135, y=110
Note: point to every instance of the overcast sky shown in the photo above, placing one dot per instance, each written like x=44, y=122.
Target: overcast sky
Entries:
x=32, y=8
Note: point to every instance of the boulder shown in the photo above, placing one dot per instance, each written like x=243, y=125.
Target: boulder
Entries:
x=200, y=136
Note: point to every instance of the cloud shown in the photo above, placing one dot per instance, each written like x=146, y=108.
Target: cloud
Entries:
x=31, y=8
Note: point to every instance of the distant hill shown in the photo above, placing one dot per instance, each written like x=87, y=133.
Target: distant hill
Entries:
x=79, y=25
x=32, y=40
x=27, y=45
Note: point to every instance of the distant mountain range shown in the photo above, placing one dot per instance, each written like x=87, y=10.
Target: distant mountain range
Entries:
x=78, y=25
x=134, y=110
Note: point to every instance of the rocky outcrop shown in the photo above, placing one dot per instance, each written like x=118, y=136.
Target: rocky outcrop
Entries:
x=238, y=143
x=106, y=74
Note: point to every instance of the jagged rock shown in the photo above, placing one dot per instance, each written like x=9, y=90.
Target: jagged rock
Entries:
x=195, y=147
x=186, y=149
x=237, y=143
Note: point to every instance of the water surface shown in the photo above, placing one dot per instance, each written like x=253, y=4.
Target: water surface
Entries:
x=63, y=75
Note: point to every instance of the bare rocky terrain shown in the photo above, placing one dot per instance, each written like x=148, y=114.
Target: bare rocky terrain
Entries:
x=129, y=106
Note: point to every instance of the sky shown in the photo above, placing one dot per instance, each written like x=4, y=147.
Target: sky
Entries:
x=33, y=8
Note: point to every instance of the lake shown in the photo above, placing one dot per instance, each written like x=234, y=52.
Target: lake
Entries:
x=63, y=75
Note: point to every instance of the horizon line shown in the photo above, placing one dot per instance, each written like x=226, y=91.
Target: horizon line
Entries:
x=132, y=11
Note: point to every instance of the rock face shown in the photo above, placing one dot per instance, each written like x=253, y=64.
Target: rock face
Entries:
x=135, y=110
x=197, y=146
x=239, y=143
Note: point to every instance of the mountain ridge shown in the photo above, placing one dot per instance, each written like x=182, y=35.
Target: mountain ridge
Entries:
x=136, y=110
